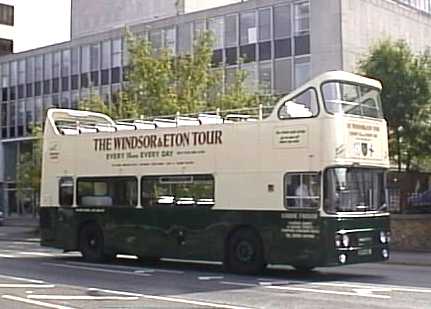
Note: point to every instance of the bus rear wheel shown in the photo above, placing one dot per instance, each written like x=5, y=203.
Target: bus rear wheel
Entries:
x=245, y=252
x=91, y=243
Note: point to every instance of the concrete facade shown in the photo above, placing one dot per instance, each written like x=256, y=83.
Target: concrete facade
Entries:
x=366, y=22
x=95, y=16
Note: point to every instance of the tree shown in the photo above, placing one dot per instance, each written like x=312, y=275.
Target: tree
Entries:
x=406, y=99
x=160, y=83
x=29, y=171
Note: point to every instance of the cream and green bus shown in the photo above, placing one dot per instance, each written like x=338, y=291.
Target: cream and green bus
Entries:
x=303, y=185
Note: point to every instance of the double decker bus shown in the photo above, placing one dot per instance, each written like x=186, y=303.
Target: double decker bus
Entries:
x=303, y=185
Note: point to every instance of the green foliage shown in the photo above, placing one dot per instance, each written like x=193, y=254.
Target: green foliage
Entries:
x=29, y=169
x=160, y=83
x=406, y=98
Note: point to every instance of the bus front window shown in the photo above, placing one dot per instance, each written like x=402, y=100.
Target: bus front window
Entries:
x=354, y=189
x=352, y=99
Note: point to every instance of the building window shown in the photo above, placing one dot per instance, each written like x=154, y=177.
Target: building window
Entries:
x=156, y=40
x=6, y=47
x=38, y=68
x=75, y=82
x=55, y=85
x=105, y=77
x=302, y=71
x=302, y=18
x=302, y=190
x=264, y=20
x=107, y=191
x=57, y=64
x=302, y=45
x=29, y=115
x=178, y=191
x=29, y=76
x=265, y=50
x=6, y=14
x=283, y=48
x=65, y=83
x=282, y=22
x=217, y=57
x=231, y=30
x=185, y=41
x=47, y=66
x=248, y=30
x=248, y=52
x=29, y=90
x=115, y=75
x=116, y=53
x=231, y=55
x=37, y=88
x=216, y=26
x=283, y=76
x=65, y=63
x=106, y=54
x=94, y=57
x=74, y=60
x=94, y=78
x=85, y=59
x=250, y=81
x=265, y=77
x=170, y=39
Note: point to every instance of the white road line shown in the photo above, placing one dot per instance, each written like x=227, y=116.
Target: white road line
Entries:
x=327, y=292
x=35, y=302
x=175, y=300
x=21, y=279
x=7, y=256
x=130, y=268
x=210, y=278
x=25, y=285
x=288, y=288
x=104, y=270
x=375, y=287
x=35, y=253
x=80, y=297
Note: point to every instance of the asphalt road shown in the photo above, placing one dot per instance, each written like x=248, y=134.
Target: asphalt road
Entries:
x=35, y=277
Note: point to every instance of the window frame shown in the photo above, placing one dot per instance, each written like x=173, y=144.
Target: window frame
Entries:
x=104, y=178
x=174, y=204
x=309, y=197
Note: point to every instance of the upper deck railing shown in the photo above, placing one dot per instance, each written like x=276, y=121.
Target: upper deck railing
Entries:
x=76, y=122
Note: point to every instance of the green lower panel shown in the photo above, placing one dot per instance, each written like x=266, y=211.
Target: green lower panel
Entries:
x=294, y=238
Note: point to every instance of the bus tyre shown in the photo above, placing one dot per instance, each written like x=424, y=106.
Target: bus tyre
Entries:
x=91, y=243
x=245, y=252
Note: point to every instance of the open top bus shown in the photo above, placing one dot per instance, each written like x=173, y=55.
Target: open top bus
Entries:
x=303, y=185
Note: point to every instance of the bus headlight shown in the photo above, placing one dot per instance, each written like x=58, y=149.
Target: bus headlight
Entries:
x=384, y=238
x=345, y=240
x=337, y=241
x=342, y=258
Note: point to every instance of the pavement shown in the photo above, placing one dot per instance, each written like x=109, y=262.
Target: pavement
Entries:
x=26, y=229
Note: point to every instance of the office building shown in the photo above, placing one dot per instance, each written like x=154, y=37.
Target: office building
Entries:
x=283, y=42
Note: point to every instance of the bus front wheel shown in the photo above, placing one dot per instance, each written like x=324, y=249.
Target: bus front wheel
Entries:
x=91, y=243
x=245, y=252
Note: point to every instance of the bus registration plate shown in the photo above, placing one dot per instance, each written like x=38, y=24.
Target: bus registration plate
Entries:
x=364, y=252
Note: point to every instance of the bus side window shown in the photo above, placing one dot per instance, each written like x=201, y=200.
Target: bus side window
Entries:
x=66, y=191
x=302, y=190
x=304, y=105
x=178, y=191
x=107, y=191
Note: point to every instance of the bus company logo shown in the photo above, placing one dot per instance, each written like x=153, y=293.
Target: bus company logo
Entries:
x=154, y=141
x=54, y=151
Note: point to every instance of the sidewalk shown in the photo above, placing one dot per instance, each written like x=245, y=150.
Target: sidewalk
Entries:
x=20, y=229
x=27, y=229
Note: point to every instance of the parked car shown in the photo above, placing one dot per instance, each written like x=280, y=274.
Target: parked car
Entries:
x=419, y=202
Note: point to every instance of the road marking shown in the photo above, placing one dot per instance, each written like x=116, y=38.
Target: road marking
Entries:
x=174, y=299
x=321, y=291
x=381, y=286
x=80, y=297
x=126, y=256
x=192, y=261
x=25, y=285
x=299, y=289
x=21, y=279
x=210, y=278
x=35, y=302
x=130, y=268
x=7, y=256
x=114, y=271
x=35, y=253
